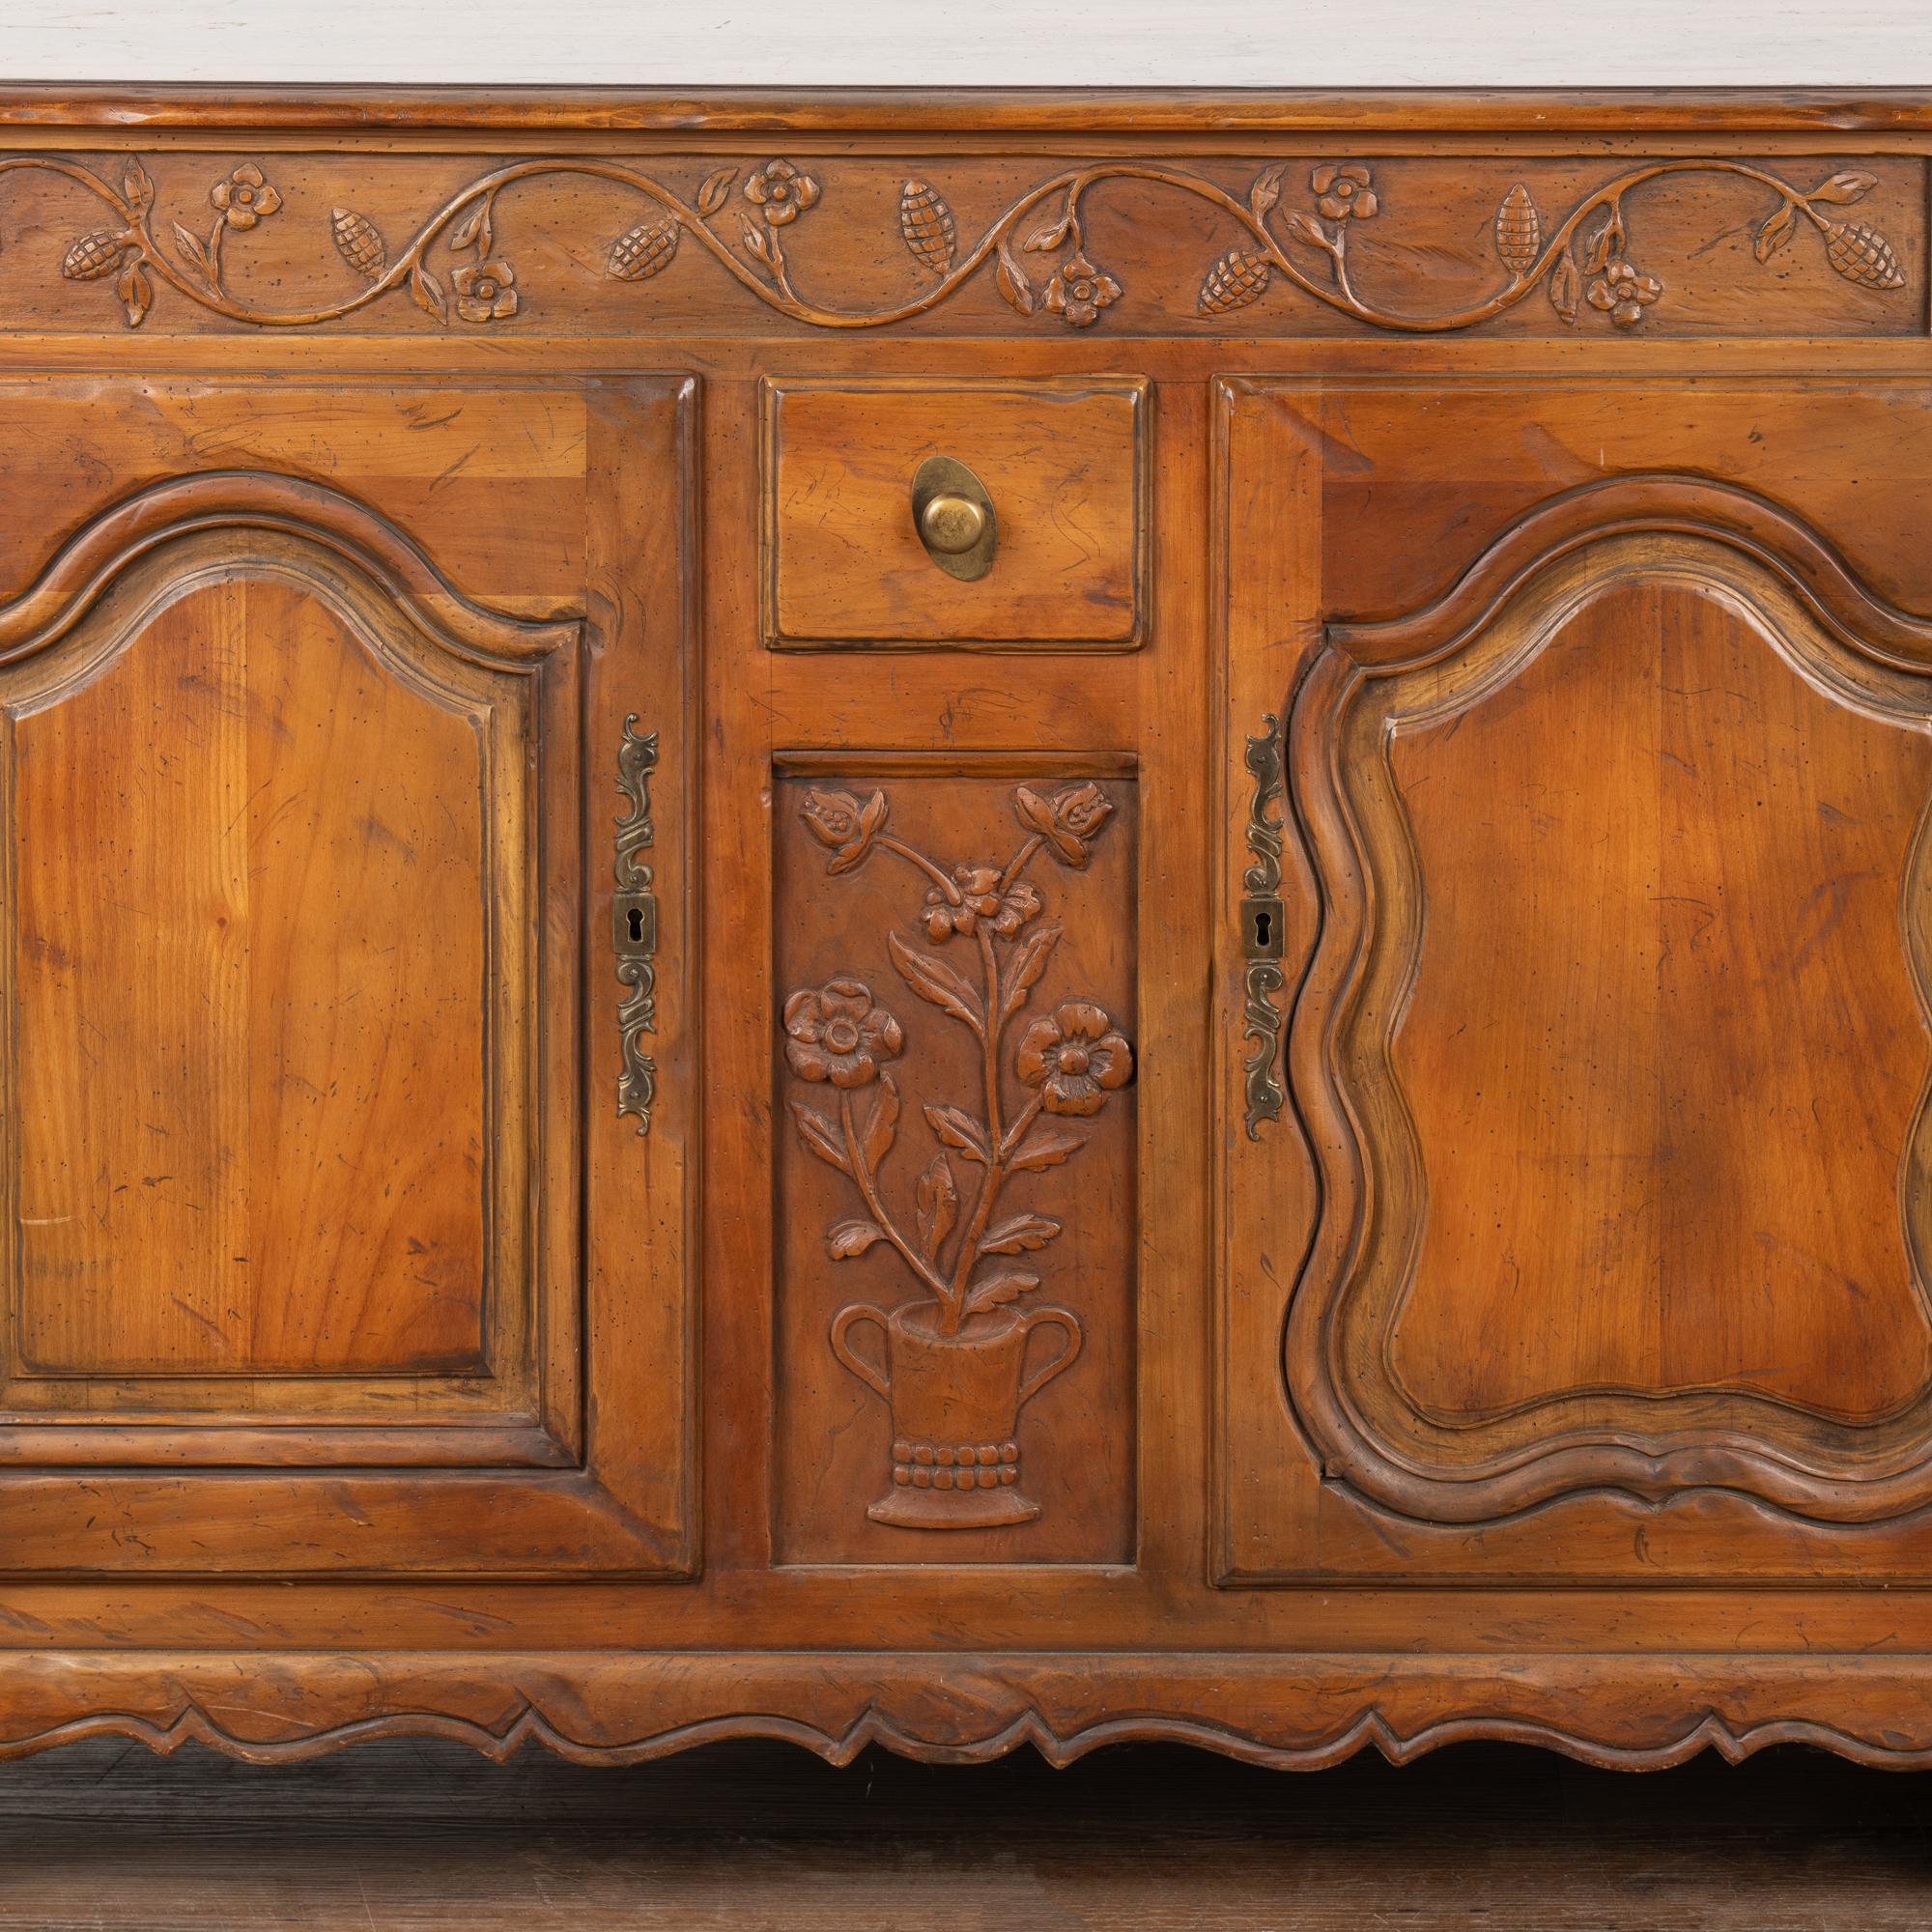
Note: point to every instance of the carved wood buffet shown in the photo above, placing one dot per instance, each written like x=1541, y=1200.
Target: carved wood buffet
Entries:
x=966, y=921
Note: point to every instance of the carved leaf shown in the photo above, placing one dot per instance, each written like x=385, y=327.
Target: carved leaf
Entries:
x=846, y=1238
x=1854, y=184
x=938, y=1206
x=641, y=252
x=136, y=292
x=821, y=1136
x=1029, y=961
x=927, y=223
x=428, y=294
x=1240, y=276
x=1863, y=255
x=1021, y=1233
x=761, y=243
x=135, y=187
x=1046, y=1147
x=360, y=242
x=711, y=196
x=474, y=232
x=1606, y=246
x=1566, y=285
x=1518, y=230
x=934, y=979
x=1305, y=228
x=1013, y=284
x=93, y=256
x=1266, y=191
x=193, y=252
x=1007, y=1285
x=1776, y=230
x=958, y=1130
x=1049, y=235
x=875, y=1137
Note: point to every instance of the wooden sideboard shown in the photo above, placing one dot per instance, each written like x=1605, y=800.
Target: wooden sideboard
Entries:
x=966, y=921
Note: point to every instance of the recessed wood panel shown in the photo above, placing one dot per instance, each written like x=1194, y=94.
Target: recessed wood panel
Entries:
x=251, y=940
x=1661, y=1166
x=955, y=1193
x=1616, y=1055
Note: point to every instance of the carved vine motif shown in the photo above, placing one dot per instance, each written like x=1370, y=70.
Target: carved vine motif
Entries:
x=954, y=1365
x=637, y=931
x=1582, y=262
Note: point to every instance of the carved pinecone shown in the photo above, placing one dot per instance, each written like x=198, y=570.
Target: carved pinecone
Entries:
x=1518, y=230
x=360, y=241
x=1237, y=279
x=93, y=256
x=927, y=223
x=640, y=252
x=1863, y=255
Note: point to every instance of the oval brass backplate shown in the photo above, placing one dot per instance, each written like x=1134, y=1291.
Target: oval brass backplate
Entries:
x=953, y=516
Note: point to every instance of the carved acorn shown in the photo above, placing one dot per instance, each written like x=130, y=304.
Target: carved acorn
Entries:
x=360, y=242
x=927, y=223
x=1237, y=279
x=93, y=256
x=1518, y=230
x=1863, y=255
x=640, y=252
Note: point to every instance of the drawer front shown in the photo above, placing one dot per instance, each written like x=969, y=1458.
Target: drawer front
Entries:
x=1064, y=467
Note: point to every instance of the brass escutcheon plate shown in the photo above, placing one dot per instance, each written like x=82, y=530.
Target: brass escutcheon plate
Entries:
x=952, y=515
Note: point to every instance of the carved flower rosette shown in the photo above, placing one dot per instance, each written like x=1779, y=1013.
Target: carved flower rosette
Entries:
x=955, y=1363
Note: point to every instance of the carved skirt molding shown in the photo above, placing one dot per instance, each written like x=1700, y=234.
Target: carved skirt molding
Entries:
x=1634, y=1712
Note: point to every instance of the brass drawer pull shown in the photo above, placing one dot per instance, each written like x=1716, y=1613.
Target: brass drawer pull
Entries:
x=635, y=925
x=953, y=516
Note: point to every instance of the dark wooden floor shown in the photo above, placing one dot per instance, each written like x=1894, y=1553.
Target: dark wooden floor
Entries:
x=749, y=1836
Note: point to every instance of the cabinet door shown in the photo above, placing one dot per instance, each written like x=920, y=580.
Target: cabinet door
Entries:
x=335, y=1240
x=1580, y=1224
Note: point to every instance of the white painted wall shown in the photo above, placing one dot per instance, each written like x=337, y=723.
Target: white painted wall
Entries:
x=977, y=42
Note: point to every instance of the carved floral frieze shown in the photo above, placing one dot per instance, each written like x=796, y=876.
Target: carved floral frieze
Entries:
x=1291, y=230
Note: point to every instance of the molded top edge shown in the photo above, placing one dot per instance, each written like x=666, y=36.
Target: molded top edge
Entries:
x=375, y=109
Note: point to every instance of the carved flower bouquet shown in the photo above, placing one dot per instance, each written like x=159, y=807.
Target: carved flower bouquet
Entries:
x=954, y=1368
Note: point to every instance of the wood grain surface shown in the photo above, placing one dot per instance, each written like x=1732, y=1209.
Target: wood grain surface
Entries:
x=1297, y=1122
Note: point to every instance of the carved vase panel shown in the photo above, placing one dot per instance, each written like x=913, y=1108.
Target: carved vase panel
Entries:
x=1614, y=1048
x=954, y=1061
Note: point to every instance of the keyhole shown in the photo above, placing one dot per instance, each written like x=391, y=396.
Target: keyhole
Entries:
x=637, y=919
x=1263, y=938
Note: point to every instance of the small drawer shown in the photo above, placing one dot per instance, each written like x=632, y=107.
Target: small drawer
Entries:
x=1062, y=462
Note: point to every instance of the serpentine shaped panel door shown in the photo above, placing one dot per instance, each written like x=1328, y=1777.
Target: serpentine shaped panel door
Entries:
x=327, y=1232
x=1581, y=1224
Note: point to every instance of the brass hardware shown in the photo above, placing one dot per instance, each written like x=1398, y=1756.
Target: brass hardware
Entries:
x=635, y=925
x=952, y=523
x=1262, y=936
x=1260, y=926
x=953, y=516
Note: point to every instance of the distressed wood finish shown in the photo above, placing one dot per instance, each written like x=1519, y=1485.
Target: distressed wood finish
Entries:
x=1295, y=1120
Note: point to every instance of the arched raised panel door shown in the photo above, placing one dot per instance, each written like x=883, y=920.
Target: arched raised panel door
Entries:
x=322, y=1053
x=1599, y=1117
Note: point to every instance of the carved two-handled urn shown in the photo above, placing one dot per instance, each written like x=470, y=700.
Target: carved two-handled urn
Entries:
x=956, y=1401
